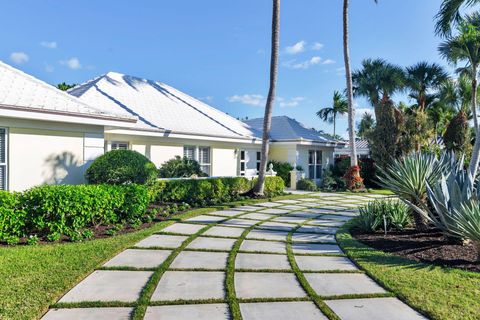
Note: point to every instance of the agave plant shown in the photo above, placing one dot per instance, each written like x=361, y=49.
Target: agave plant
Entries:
x=370, y=217
x=467, y=222
x=408, y=178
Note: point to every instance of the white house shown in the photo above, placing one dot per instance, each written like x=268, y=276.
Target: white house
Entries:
x=48, y=136
x=363, y=149
x=292, y=142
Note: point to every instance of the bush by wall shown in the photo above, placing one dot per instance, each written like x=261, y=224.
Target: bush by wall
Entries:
x=180, y=168
x=307, y=185
x=71, y=211
x=283, y=170
x=121, y=167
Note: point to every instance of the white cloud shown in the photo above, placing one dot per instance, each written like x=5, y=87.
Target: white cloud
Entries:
x=49, y=68
x=49, y=44
x=328, y=61
x=206, y=99
x=256, y=100
x=303, y=64
x=72, y=63
x=296, y=48
x=19, y=57
x=292, y=102
x=317, y=46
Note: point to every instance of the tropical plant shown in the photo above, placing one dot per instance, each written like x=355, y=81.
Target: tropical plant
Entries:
x=307, y=185
x=370, y=217
x=467, y=222
x=456, y=136
x=374, y=215
x=179, y=167
x=449, y=15
x=408, y=177
x=339, y=107
x=366, y=125
x=399, y=215
x=259, y=187
x=65, y=86
x=283, y=170
x=422, y=81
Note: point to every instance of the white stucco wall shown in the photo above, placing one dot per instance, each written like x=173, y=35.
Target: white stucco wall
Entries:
x=40, y=152
x=224, y=162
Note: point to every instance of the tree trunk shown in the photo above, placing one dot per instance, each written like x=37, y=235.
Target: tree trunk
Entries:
x=267, y=119
x=473, y=167
x=334, y=125
x=348, y=72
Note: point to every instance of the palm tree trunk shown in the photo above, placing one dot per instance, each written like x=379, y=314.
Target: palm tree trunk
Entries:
x=473, y=167
x=334, y=125
x=267, y=119
x=348, y=72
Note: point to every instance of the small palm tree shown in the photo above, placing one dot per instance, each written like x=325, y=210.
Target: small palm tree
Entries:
x=366, y=125
x=267, y=119
x=339, y=107
x=421, y=80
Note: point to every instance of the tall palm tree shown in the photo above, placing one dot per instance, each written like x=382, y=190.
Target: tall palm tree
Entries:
x=366, y=125
x=339, y=107
x=449, y=15
x=465, y=47
x=267, y=119
x=421, y=80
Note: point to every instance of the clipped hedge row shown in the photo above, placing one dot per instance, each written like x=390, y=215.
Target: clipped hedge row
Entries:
x=66, y=210
x=201, y=192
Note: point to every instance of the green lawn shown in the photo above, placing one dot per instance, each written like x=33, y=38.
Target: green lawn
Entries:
x=439, y=293
x=34, y=277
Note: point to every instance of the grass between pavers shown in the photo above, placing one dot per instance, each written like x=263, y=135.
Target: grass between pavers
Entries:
x=34, y=277
x=439, y=293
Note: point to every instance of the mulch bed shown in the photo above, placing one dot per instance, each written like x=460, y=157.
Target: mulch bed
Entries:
x=431, y=247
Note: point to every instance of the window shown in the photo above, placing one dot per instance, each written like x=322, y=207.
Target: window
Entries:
x=189, y=152
x=314, y=164
x=117, y=145
x=259, y=158
x=242, y=162
x=204, y=159
x=3, y=159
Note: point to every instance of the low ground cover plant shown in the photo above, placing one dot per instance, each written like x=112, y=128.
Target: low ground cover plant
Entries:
x=373, y=216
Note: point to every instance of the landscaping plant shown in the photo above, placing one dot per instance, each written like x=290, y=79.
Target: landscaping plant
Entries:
x=283, y=170
x=307, y=185
x=373, y=216
x=179, y=167
x=121, y=167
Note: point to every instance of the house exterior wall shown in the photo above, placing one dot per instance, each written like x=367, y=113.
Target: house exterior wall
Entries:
x=41, y=152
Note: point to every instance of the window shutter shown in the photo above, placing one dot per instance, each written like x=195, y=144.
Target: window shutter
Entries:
x=3, y=145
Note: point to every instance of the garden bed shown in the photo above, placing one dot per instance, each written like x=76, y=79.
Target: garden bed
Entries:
x=430, y=247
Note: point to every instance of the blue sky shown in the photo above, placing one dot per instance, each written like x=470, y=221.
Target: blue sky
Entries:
x=217, y=50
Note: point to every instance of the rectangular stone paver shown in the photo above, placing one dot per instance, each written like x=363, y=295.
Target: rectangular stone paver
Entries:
x=190, y=285
x=260, y=261
x=107, y=285
x=288, y=201
x=199, y=259
x=326, y=223
x=313, y=263
x=293, y=207
x=312, y=237
x=267, y=285
x=331, y=284
x=89, y=314
x=221, y=231
x=138, y=258
x=315, y=248
x=257, y=216
x=247, y=208
x=303, y=214
x=189, y=312
x=211, y=243
x=290, y=219
x=267, y=234
x=162, y=240
x=335, y=217
x=226, y=213
x=291, y=310
x=206, y=219
x=263, y=246
x=240, y=223
x=276, y=226
x=183, y=228
x=316, y=229
x=268, y=204
x=373, y=309
x=274, y=211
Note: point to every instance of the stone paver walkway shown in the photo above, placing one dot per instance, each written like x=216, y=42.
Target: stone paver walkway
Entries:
x=271, y=261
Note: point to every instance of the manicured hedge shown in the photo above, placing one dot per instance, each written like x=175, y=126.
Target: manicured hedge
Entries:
x=72, y=211
x=200, y=192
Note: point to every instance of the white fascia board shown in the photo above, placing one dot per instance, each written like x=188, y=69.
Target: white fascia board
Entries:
x=174, y=135
x=57, y=117
x=305, y=143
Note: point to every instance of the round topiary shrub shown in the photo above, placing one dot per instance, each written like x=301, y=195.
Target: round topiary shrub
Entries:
x=306, y=185
x=121, y=167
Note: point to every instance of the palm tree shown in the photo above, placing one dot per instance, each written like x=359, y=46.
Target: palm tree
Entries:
x=267, y=119
x=366, y=125
x=449, y=15
x=421, y=80
x=339, y=107
x=465, y=47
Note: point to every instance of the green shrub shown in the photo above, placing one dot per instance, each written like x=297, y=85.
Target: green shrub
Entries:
x=371, y=216
x=180, y=168
x=12, y=217
x=367, y=169
x=274, y=186
x=283, y=170
x=121, y=167
x=307, y=185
